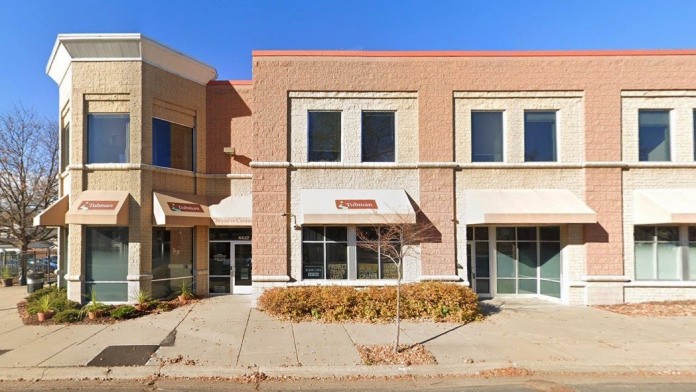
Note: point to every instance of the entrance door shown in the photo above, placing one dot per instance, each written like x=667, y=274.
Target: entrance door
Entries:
x=478, y=261
x=225, y=276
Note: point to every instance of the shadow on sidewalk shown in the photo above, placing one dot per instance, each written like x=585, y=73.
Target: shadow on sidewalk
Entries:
x=489, y=309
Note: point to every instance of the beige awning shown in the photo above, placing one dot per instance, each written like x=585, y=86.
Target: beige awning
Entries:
x=656, y=206
x=184, y=210
x=526, y=206
x=232, y=211
x=99, y=208
x=54, y=215
x=356, y=206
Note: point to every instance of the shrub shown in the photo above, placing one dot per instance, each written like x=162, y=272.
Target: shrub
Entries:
x=69, y=316
x=124, y=312
x=58, y=299
x=428, y=300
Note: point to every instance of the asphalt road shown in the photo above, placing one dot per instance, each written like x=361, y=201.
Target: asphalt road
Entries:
x=586, y=383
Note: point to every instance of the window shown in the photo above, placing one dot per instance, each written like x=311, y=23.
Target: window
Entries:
x=371, y=263
x=486, y=136
x=540, y=136
x=657, y=253
x=107, y=138
x=653, y=135
x=324, y=253
x=691, y=268
x=528, y=260
x=65, y=147
x=378, y=136
x=106, y=263
x=172, y=259
x=694, y=122
x=324, y=136
x=172, y=145
x=478, y=261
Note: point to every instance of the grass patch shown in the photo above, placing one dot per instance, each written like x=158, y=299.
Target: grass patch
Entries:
x=435, y=301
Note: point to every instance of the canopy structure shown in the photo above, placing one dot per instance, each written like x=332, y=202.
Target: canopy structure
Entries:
x=356, y=206
x=54, y=215
x=232, y=211
x=184, y=210
x=108, y=208
x=657, y=206
x=526, y=206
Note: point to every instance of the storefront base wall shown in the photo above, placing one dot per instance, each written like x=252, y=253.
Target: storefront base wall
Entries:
x=604, y=293
x=633, y=294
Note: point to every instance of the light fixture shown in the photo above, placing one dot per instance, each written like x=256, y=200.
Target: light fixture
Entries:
x=231, y=151
x=294, y=219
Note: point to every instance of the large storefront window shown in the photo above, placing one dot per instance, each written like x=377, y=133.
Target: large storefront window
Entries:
x=324, y=253
x=172, y=260
x=528, y=260
x=657, y=252
x=172, y=145
x=107, y=138
x=106, y=263
x=371, y=261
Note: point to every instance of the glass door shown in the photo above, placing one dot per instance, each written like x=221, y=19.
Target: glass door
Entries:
x=478, y=261
x=219, y=267
x=242, y=268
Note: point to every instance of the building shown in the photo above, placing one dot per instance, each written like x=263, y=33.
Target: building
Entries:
x=564, y=175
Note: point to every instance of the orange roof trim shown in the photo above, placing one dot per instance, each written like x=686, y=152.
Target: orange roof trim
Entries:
x=230, y=82
x=488, y=53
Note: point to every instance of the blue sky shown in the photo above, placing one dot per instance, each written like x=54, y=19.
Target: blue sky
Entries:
x=223, y=33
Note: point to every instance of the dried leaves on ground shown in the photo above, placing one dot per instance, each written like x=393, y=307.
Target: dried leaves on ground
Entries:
x=654, y=309
x=383, y=354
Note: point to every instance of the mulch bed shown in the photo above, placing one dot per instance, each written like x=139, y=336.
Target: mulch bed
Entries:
x=654, y=309
x=383, y=354
x=28, y=319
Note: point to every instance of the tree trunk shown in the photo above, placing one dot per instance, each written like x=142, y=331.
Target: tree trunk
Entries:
x=398, y=307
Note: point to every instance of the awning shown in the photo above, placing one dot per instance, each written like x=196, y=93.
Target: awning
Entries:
x=99, y=208
x=174, y=209
x=522, y=206
x=356, y=206
x=54, y=215
x=656, y=206
x=232, y=211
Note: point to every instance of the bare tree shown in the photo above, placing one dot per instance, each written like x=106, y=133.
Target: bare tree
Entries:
x=397, y=241
x=29, y=170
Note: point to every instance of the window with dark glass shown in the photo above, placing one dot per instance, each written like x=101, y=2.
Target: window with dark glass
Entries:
x=65, y=147
x=378, y=136
x=486, y=136
x=172, y=260
x=653, y=135
x=375, y=263
x=324, y=136
x=540, y=136
x=478, y=260
x=172, y=145
x=324, y=252
x=106, y=263
x=108, y=138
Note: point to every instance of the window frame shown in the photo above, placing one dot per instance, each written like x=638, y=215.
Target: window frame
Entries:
x=503, y=139
x=87, y=138
x=670, y=147
x=193, y=144
x=556, y=138
x=683, y=261
x=362, y=135
x=340, y=135
x=324, y=242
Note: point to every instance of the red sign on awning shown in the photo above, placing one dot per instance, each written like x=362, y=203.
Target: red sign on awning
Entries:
x=185, y=207
x=356, y=204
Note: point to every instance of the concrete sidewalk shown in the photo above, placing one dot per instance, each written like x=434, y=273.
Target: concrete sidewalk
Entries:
x=223, y=336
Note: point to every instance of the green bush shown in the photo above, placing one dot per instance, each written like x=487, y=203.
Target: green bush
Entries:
x=69, y=316
x=428, y=300
x=58, y=298
x=124, y=312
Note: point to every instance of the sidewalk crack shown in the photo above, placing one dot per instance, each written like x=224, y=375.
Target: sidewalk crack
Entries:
x=294, y=343
x=241, y=346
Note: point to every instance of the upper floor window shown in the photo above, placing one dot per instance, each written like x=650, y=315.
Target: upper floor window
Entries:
x=653, y=135
x=540, y=136
x=65, y=147
x=108, y=138
x=172, y=145
x=486, y=136
x=324, y=135
x=378, y=136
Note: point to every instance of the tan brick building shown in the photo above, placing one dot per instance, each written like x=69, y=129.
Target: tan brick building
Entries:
x=563, y=175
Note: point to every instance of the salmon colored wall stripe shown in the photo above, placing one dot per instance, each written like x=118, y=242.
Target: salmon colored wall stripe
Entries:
x=486, y=53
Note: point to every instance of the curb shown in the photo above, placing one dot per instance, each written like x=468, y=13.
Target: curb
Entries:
x=465, y=370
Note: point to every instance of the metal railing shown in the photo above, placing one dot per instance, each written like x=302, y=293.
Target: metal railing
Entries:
x=45, y=260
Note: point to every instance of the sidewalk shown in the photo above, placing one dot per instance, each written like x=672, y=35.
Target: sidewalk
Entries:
x=223, y=336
